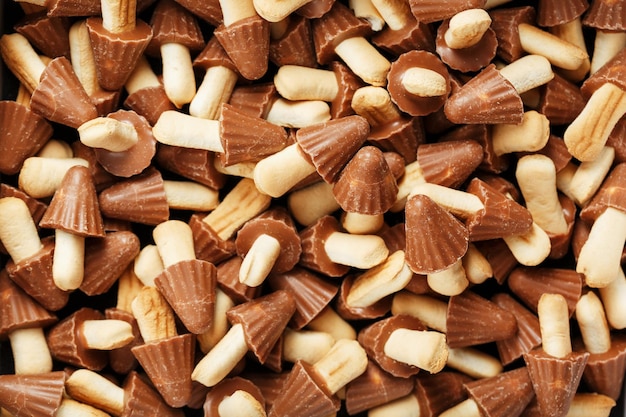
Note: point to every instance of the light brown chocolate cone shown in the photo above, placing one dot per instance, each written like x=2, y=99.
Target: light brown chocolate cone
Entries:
x=436, y=393
x=101, y=177
x=504, y=395
x=149, y=102
x=528, y=334
x=172, y=23
x=38, y=395
x=375, y=387
x=486, y=98
x=403, y=135
x=228, y=280
x=611, y=72
x=122, y=359
x=612, y=193
x=194, y=164
x=348, y=83
x=140, y=399
x=274, y=361
x=604, y=372
x=270, y=384
x=106, y=260
x=295, y=47
x=470, y=59
x=60, y=97
x=72, y=8
x=330, y=145
x=449, y=163
x=499, y=256
x=246, y=138
x=22, y=134
x=168, y=363
x=552, y=13
x=414, y=36
x=481, y=133
x=74, y=206
x=315, y=8
x=530, y=283
x=435, y=239
x=561, y=101
x=556, y=150
x=207, y=244
x=213, y=55
x=428, y=11
x=247, y=43
x=555, y=380
x=226, y=388
x=314, y=255
x=473, y=320
x=254, y=99
x=617, y=140
x=605, y=15
x=49, y=34
x=505, y=22
x=209, y=10
x=189, y=287
x=366, y=185
x=138, y=199
x=263, y=320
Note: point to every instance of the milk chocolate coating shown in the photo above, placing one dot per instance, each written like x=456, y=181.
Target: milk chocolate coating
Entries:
x=470, y=59
x=122, y=359
x=617, y=140
x=374, y=337
x=556, y=150
x=35, y=207
x=32, y=395
x=552, y=13
x=208, y=10
x=503, y=395
x=605, y=15
x=101, y=178
x=228, y=280
x=254, y=99
x=227, y=387
x=348, y=83
x=295, y=46
x=22, y=134
x=481, y=133
x=429, y=11
x=73, y=8
x=347, y=312
x=314, y=255
x=505, y=22
x=49, y=34
x=473, y=320
x=194, y=164
x=403, y=135
x=207, y=244
x=611, y=194
x=438, y=392
x=406, y=101
x=140, y=399
x=499, y=256
x=561, y=101
x=449, y=163
x=413, y=36
x=172, y=23
x=315, y=8
x=270, y=384
x=149, y=102
x=560, y=243
x=213, y=55
x=274, y=361
x=604, y=372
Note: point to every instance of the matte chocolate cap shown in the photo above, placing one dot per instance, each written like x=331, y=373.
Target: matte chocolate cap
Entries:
x=438, y=392
x=612, y=193
x=295, y=46
x=173, y=23
x=32, y=395
x=49, y=34
x=314, y=255
x=195, y=164
x=149, y=102
x=604, y=372
x=503, y=395
x=141, y=399
x=561, y=101
x=227, y=387
x=449, y=163
x=553, y=13
x=470, y=59
x=505, y=22
x=605, y=15
x=122, y=359
x=228, y=280
x=208, y=246
x=247, y=43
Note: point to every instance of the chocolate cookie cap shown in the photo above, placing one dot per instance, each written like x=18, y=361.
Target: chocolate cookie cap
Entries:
x=504, y=395
x=254, y=99
x=612, y=193
x=226, y=388
x=314, y=255
x=561, y=101
x=208, y=10
x=553, y=13
x=402, y=135
x=414, y=36
x=49, y=34
x=149, y=102
x=605, y=15
x=213, y=55
x=38, y=395
x=374, y=311
x=295, y=46
x=122, y=359
x=604, y=372
x=208, y=246
x=141, y=400
x=438, y=392
x=172, y=23
x=470, y=59
x=228, y=281
x=449, y=163
x=429, y=11
x=505, y=22
x=348, y=83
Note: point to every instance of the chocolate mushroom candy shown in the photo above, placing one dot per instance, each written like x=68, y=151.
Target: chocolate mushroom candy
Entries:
x=278, y=173
x=233, y=397
x=256, y=326
x=176, y=33
x=40, y=177
x=108, y=133
x=609, y=32
x=38, y=394
x=89, y=387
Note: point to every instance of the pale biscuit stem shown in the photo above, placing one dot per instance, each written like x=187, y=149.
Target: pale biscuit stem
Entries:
x=365, y=9
x=311, y=203
x=451, y=281
x=297, y=114
x=174, y=240
x=23, y=61
x=375, y=105
x=222, y=359
x=373, y=285
x=362, y=224
x=593, y=323
x=431, y=356
x=457, y=202
x=118, y=16
x=106, y=334
x=241, y=204
x=528, y=72
x=613, y=296
x=240, y=403
x=142, y=77
x=178, y=75
x=413, y=176
x=429, y=310
x=179, y=129
x=403, y=406
x=554, y=325
x=396, y=13
x=364, y=60
x=332, y=323
x=605, y=242
x=529, y=136
x=295, y=82
x=242, y=169
x=40, y=177
x=234, y=11
x=424, y=82
x=148, y=265
x=530, y=248
x=590, y=405
x=128, y=286
x=55, y=148
x=345, y=361
x=606, y=45
x=589, y=176
x=359, y=251
x=220, y=325
x=587, y=134
x=477, y=267
x=72, y=408
x=536, y=176
x=467, y=28
x=474, y=362
x=564, y=179
x=307, y=345
x=259, y=260
x=18, y=232
x=31, y=354
x=81, y=53
x=216, y=87
x=155, y=318
x=68, y=262
x=560, y=53
x=92, y=388
x=23, y=96
x=572, y=32
x=189, y=195
x=278, y=173
x=466, y=408
x=108, y=133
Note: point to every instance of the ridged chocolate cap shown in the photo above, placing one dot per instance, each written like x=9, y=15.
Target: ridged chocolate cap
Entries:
x=22, y=134
x=67, y=345
x=169, y=363
x=528, y=334
x=330, y=145
x=60, y=97
x=561, y=101
x=213, y=55
x=435, y=239
x=501, y=216
x=295, y=46
x=141, y=400
x=263, y=320
x=604, y=372
x=348, y=83
x=74, y=206
x=254, y=99
x=35, y=207
x=247, y=43
x=48, y=34
x=101, y=177
x=374, y=337
x=207, y=244
x=560, y=243
x=72, y=8
x=366, y=185
x=189, y=288
x=449, y=163
x=173, y=23
x=438, y=392
x=429, y=11
x=481, y=133
x=228, y=280
x=503, y=395
x=315, y=8
x=314, y=255
x=606, y=15
x=553, y=13
x=473, y=320
x=470, y=59
x=556, y=150
x=122, y=359
x=617, y=140
x=194, y=164
x=612, y=72
x=377, y=310
x=375, y=387
x=139, y=199
x=499, y=256
x=149, y=102
x=486, y=98
x=270, y=384
x=413, y=36
x=310, y=292
x=555, y=380
x=403, y=136
x=38, y=395
x=530, y=283
x=505, y=22
x=227, y=387
x=612, y=193
x=208, y=10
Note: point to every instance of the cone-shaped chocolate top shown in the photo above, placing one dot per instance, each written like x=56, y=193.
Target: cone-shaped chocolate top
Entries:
x=254, y=99
x=438, y=392
x=49, y=34
x=263, y=320
x=330, y=145
x=313, y=239
x=366, y=185
x=194, y=164
x=213, y=55
x=435, y=239
x=228, y=280
x=122, y=359
x=561, y=101
x=604, y=372
x=606, y=15
x=528, y=334
x=295, y=46
x=449, y=163
x=428, y=11
x=555, y=12
x=612, y=193
x=74, y=206
x=505, y=22
x=611, y=72
x=141, y=399
x=348, y=83
x=208, y=10
x=172, y=23
x=36, y=207
x=503, y=395
x=472, y=320
x=37, y=395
